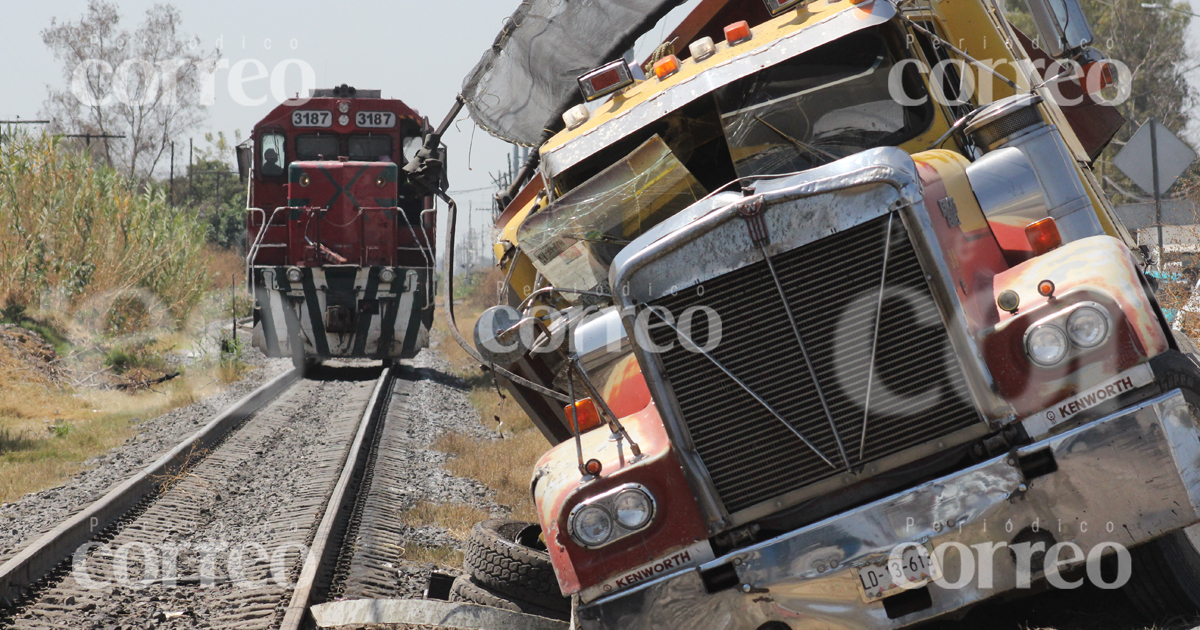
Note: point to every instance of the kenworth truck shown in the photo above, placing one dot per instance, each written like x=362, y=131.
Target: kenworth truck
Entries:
x=823, y=336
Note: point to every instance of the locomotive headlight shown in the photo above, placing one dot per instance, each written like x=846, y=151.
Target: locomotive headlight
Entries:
x=592, y=525
x=1046, y=344
x=633, y=508
x=1087, y=327
x=305, y=180
x=294, y=275
x=386, y=275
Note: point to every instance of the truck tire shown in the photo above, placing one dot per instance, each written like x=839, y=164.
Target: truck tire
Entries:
x=466, y=590
x=1166, y=571
x=496, y=559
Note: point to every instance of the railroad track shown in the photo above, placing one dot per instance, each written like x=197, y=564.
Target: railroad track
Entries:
x=240, y=526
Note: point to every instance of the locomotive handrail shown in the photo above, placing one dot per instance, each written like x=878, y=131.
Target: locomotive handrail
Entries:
x=258, y=238
x=426, y=255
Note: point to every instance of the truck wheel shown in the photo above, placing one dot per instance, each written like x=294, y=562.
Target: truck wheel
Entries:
x=1166, y=575
x=1166, y=572
x=466, y=590
x=504, y=556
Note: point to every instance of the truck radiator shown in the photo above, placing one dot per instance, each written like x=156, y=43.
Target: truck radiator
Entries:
x=917, y=394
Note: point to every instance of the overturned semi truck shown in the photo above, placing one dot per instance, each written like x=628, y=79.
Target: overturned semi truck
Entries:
x=811, y=326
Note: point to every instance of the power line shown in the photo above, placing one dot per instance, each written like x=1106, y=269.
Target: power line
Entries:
x=459, y=192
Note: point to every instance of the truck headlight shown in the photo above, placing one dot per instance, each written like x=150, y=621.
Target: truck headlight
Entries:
x=633, y=509
x=592, y=525
x=1087, y=327
x=606, y=518
x=1046, y=344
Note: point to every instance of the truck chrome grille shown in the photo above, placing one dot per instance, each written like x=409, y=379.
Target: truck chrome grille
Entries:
x=918, y=392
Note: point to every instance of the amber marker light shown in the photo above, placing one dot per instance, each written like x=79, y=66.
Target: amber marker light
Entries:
x=737, y=32
x=666, y=67
x=1043, y=235
x=593, y=467
x=589, y=418
x=1046, y=288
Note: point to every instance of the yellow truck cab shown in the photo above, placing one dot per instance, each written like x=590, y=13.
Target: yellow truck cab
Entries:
x=830, y=325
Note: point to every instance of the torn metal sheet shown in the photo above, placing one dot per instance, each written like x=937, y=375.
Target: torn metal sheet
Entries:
x=705, y=78
x=430, y=612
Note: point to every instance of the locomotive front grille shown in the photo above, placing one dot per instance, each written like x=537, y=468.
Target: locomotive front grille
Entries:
x=917, y=391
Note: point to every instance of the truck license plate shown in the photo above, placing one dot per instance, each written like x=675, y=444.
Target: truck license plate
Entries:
x=917, y=565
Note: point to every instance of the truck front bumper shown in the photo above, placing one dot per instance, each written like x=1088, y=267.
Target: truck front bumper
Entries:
x=1126, y=479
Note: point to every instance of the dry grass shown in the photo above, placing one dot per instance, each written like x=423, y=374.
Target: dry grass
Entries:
x=458, y=519
x=83, y=235
x=48, y=429
x=445, y=557
x=47, y=433
x=225, y=267
x=504, y=465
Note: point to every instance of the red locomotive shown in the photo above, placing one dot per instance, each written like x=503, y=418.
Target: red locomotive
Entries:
x=340, y=242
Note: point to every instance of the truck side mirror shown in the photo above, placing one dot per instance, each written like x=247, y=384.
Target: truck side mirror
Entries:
x=1062, y=27
x=245, y=155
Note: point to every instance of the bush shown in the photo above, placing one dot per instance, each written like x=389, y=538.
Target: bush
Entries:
x=75, y=230
x=123, y=359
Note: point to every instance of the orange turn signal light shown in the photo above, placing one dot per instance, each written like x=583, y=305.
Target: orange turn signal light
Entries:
x=589, y=418
x=593, y=467
x=666, y=66
x=1043, y=235
x=737, y=32
x=1046, y=288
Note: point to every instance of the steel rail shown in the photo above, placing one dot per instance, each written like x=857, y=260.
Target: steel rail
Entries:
x=324, y=548
x=41, y=557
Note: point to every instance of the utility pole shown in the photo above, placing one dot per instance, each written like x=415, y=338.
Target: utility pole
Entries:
x=88, y=136
x=470, y=234
x=18, y=121
x=1157, y=193
x=171, y=182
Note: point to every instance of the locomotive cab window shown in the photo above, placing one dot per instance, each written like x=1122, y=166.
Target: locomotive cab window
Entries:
x=317, y=146
x=371, y=148
x=273, y=156
x=409, y=147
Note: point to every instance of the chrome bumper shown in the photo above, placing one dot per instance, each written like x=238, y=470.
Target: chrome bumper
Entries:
x=1126, y=479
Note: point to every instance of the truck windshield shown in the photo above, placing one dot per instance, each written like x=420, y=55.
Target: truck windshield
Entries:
x=826, y=104
x=574, y=241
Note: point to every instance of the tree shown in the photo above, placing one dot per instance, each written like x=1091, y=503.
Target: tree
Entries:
x=144, y=85
x=1153, y=44
x=215, y=191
